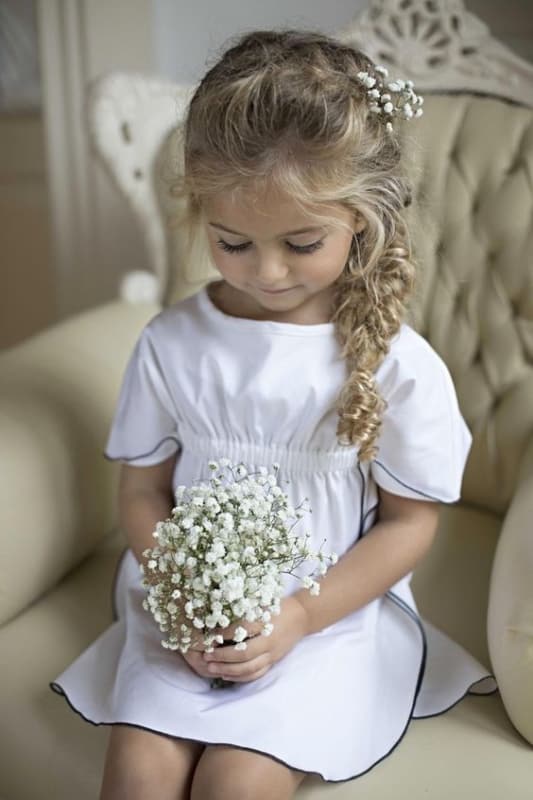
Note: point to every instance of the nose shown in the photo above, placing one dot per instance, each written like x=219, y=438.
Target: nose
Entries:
x=270, y=270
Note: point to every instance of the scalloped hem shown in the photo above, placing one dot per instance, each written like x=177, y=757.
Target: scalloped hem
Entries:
x=56, y=687
x=294, y=763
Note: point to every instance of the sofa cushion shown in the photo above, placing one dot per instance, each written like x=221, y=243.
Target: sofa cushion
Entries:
x=57, y=499
x=470, y=751
x=451, y=585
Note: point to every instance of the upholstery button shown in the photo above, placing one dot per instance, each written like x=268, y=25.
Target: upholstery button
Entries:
x=125, y=130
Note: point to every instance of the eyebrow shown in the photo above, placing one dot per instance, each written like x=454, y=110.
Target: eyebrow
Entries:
x=287, y=233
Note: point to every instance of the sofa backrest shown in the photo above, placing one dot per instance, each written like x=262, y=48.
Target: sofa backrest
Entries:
x=471, y=163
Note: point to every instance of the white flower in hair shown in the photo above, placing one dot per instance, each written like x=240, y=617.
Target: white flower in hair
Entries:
x=391, y=99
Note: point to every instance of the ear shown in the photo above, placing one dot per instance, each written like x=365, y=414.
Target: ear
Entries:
x=359, y=223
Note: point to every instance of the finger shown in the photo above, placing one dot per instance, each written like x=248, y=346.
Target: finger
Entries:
x=237, y=670
x=247, y=678
x=228, y=654
x=252, y=629
x=197, y=647
x=197, y=664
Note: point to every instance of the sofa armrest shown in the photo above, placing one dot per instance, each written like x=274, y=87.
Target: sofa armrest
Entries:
x=510, y=613
x=57, y=494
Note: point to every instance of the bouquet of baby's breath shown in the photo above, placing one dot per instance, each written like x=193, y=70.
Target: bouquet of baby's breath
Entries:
x=221, y=555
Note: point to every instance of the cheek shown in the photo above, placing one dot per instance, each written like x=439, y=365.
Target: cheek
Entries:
x=328, y=265
x=232, y=267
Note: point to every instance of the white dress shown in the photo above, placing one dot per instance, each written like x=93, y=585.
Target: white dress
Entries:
x=214, y=385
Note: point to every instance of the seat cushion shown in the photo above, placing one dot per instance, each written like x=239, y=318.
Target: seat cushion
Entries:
x=451, y=585
x=472, y=750
x=37, y=727
x=58, y=390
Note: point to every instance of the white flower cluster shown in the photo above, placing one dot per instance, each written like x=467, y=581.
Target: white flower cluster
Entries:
x=221, y=555
x=392, y=99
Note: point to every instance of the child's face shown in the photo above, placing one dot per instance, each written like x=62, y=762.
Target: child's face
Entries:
x=275, y=268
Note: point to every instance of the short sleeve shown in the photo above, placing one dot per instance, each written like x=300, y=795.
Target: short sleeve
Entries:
x=424, y=441
x=143, y=430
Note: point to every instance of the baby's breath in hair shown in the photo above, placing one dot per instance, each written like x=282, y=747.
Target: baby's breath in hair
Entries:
x=393, y=99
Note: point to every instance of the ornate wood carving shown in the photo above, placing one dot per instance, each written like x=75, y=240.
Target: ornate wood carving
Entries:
x=441, y=46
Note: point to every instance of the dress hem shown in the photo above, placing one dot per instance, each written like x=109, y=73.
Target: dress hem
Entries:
x=149, y=453
x=435, y=498
x=57, y=688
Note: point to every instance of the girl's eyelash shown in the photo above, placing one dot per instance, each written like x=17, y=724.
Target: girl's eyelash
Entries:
x=239, y=248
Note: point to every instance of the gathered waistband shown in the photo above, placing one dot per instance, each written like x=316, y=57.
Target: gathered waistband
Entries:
x=290, y=459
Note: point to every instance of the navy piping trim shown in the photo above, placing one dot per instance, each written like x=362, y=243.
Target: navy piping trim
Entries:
x=414, y=616
x=370, y=510
x=391, y=596
x=143, y=455
x=361, y=501
x=455, y=702
x=411, y=488
x=58, y=690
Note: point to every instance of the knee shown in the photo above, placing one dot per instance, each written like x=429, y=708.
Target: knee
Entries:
x=213, y=784
x=227, y=774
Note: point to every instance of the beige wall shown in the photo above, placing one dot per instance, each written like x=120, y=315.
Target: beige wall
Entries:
x=27, y=297
x=511, y=21
x=66, y=236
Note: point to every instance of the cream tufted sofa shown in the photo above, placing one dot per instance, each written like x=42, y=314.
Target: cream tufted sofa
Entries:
x=472, y=162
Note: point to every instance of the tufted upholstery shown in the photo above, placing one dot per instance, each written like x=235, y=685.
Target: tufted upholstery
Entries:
x=473, y=213
x=472, y=168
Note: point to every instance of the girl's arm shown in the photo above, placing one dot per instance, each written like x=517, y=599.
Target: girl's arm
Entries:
x=144, y=498
x=400, y=538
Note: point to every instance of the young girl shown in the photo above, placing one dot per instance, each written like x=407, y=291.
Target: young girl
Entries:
x=298, y=354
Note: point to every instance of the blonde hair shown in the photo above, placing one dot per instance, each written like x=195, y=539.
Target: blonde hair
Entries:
x=286, y=108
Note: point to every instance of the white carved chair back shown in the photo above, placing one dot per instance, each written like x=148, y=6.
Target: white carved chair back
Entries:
x=129, y=117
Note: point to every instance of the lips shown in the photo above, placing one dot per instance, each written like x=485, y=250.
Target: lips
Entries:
x=276, y=291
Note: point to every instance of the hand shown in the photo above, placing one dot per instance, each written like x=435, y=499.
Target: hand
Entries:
x=262, y=651
x=195, y=654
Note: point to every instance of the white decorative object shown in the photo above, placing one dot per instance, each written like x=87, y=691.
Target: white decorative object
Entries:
x=391, y=99
x=441, y=46
x=139, y=287
x=130, y=116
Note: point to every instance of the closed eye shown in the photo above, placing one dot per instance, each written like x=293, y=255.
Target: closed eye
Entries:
x=240, y=248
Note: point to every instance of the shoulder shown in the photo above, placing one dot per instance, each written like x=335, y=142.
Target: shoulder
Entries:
x=411, y=360
x=424, y=440
x=173, y=322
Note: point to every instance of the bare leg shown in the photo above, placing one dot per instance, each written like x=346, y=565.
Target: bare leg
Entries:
x=231, y=773
x=141, y=765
